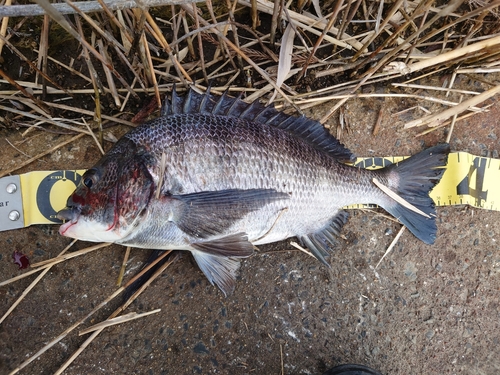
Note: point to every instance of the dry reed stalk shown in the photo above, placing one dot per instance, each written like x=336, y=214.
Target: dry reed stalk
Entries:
x=331, y=20
x=25, y=92
x=123, y=267
x=119, y=310
x=459, y=53
x=26, y=102
x=434, y=88
x=448, y=122
x=374, y=35
x=376, y=128
x=74, y=254
x=42, y=53
x=452, y=126
x=118, y=320
x=67, y=67
x=437, y=118
x=64, y=333
x=97, y=308
x=222, y=48
x=245, y=57
x=275, y=16
x=107, y=36
x=395, y=51
x=90, y=113
x=417, y=31
x=309, y=23
x=182, y=74
x=125, y=32
x=107, y=72
x=189, y=39
x=35, y=68
x=4, y=26
x=174, y=25
x=413, y=96
x=58, y=17
x=40, y=155
x=40, y=266
x=391, y=246
x=350, y=11
x=31, y=10
x=231, y=8
x=98, y=143
x=118, y=22
x=298, y=247
x=157, y=273
x=148, y=65
x=33, y=284
x=17, y=149
x=478, y=70
x=136, y=74
x=43, y=120
x=268, y=88
x=398, y=198
x=332, y=110
x=200, y=44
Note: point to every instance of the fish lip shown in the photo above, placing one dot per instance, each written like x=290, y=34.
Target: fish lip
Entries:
x=70, y=215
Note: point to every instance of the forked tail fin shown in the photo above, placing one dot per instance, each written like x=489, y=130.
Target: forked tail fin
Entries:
x=412, y=179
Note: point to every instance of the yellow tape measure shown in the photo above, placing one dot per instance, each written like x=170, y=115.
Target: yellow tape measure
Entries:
x=45, y=193
x=36, y=197
x=468, y=179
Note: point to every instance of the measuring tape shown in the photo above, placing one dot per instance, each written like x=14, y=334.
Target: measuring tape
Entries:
x=36, y=197
x=468, y=179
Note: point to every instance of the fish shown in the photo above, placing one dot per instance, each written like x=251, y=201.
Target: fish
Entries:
x=216, y=176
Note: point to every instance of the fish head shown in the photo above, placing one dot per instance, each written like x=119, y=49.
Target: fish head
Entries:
x=111, y=198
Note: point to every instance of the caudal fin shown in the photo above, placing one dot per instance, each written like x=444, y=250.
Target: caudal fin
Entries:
x=413, y=179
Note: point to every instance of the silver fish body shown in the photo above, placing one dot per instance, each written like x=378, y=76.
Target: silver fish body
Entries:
x=216, y=176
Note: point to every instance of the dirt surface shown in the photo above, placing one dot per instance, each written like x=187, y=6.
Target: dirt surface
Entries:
x=425, y=310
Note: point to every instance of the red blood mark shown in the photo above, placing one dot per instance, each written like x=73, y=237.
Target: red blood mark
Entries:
x=21, y=260
x=146, y=111
x=78, y=199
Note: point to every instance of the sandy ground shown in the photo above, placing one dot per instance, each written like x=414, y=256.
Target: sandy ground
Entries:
x=425, y=310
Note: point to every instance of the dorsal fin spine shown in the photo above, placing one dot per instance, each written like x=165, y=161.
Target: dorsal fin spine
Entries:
x=188, y=102
x=302, y=127
x=248, y=111
x=233, y=107
x=205, y=100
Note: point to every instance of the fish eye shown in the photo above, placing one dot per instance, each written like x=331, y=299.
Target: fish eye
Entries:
x=90, y=178
x=87, y=181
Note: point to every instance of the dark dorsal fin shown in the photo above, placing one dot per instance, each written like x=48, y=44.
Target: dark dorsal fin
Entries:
x=302, y=127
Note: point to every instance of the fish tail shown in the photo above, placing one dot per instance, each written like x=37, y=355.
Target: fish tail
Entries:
x=412, y=179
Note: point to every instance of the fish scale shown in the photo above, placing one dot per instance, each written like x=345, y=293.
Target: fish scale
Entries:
x=238, y=175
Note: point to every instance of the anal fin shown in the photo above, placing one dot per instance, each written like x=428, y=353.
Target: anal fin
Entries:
x=318, y=243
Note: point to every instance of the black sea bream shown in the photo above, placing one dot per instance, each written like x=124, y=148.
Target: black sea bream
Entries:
x=235, y=175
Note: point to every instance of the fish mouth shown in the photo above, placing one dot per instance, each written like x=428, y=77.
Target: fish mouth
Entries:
x=70, y=215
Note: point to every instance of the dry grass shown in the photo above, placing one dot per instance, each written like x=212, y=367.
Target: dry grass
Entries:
x=130, y=54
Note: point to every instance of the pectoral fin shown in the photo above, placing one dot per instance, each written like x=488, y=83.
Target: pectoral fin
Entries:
x=218, y=259
x=211, y=213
